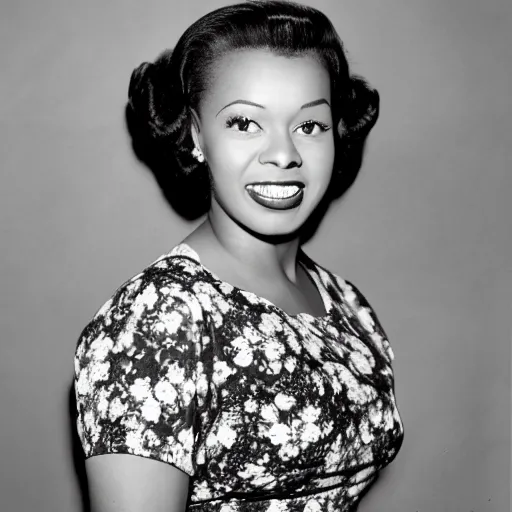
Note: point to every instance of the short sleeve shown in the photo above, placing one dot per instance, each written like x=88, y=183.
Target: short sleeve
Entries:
x=136, y=368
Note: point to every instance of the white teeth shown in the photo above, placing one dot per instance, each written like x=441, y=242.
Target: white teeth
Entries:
x=275, y=191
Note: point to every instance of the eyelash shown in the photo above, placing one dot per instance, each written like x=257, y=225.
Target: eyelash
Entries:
x=238, y=120
x=323, y=127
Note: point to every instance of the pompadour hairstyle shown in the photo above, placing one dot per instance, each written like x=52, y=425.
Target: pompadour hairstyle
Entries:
x=162, y=93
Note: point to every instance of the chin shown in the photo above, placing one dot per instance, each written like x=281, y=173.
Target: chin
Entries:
x=274, y=226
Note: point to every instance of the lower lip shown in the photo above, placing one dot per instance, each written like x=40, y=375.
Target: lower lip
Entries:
x=286, y=203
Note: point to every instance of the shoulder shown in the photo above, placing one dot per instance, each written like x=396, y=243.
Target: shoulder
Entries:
x=168, y=279
x=337, y=287
x=368, y=318
x=333, y=282
x=350, y=300
x=158, y=302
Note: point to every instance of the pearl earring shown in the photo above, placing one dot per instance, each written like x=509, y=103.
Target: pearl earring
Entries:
x=198, y=155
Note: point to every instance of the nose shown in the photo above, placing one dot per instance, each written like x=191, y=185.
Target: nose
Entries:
x=281, y=152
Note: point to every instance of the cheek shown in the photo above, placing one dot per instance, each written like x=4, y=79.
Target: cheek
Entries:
x=228, y=159
x=320, y=159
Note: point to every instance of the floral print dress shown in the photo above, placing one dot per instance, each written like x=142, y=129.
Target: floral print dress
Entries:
x=265, y=411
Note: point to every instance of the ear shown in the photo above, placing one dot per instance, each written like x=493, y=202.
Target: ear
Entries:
x=195, y=130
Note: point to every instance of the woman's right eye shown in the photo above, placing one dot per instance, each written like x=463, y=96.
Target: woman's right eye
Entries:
x=242, y=124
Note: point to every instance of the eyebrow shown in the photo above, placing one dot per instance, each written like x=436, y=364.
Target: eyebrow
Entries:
x=321, y=101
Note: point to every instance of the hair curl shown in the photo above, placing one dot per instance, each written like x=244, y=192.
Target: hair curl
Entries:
x=162, y=94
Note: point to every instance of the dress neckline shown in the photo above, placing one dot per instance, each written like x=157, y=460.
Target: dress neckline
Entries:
x=309, y=267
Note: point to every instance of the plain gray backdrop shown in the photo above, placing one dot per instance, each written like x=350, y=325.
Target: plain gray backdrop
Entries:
x=425, y=232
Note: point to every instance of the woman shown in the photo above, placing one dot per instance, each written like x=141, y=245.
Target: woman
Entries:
x=234, y=373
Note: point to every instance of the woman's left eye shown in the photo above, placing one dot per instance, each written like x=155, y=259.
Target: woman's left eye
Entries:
x=312, y=128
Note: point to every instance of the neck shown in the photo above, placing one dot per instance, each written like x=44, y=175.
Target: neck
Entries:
x=269, y=256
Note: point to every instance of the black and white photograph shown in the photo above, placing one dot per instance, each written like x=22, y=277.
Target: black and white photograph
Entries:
x=256, y=256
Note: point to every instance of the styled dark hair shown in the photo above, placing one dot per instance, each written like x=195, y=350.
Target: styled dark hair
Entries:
x=162, y=94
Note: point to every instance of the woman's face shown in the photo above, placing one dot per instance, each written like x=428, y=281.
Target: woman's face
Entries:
x=265, y=128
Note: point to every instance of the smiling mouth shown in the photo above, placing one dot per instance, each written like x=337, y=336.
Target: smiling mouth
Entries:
x=277, y=195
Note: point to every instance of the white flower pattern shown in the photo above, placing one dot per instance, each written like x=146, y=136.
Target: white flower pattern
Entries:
x=266, y=412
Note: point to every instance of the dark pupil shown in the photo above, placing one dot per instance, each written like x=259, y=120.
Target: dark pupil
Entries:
x=243, y=124
x=308, y=128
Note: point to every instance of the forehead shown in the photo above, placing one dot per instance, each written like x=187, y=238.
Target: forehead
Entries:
x=266, y=78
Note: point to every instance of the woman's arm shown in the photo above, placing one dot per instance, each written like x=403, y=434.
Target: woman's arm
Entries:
x=136, y=368
x=128, y=483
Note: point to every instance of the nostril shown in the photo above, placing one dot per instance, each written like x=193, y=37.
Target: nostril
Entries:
x=294, y=164
x=282, y=153
x=281, y=160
